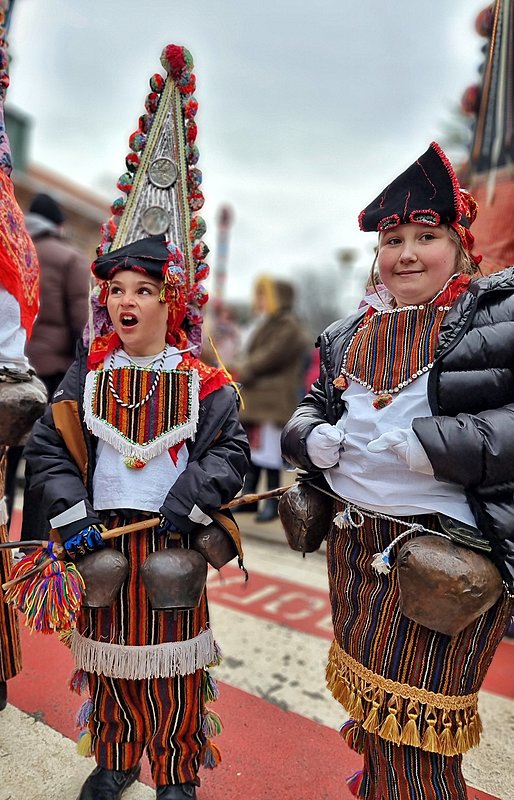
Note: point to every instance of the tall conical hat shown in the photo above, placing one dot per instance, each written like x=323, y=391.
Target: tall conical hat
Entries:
x=161, y=193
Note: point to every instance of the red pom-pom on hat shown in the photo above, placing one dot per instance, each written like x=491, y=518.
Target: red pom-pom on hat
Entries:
x=176, y=60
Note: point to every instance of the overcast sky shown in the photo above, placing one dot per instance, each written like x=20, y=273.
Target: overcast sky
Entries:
x=306, y=110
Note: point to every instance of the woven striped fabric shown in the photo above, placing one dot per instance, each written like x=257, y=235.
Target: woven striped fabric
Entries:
x=408, y=773
x=131, y=623
x=161, y=715
x=394, y=347
x=10, y=647
x=401, y=681
x=170, y=409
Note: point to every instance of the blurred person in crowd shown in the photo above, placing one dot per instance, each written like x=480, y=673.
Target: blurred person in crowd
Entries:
x=65, y=277
x=64, y=291
x=222, y=337
x=270, y=369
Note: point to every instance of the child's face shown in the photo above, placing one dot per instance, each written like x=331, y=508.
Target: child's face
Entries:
x=139, y=318
x=415, y=261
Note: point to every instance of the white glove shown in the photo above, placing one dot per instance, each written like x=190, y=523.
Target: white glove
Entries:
x=406, y=445
x=324, y=443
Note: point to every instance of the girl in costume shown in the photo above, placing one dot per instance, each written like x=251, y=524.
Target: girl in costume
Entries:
x=139, y=427
x=410, y=422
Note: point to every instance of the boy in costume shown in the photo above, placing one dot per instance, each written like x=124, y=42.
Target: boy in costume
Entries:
x=141, y=426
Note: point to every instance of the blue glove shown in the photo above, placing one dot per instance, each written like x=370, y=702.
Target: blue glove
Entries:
x=85, y=541
x=165, y=526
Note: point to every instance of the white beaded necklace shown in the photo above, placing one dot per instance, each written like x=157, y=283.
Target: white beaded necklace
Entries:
x=153, y=387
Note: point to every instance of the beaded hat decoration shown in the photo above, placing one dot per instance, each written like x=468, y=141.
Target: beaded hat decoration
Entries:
x=157, y=211
x=426, y=193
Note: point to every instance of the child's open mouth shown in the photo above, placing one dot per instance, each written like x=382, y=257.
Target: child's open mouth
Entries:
x=128, y=321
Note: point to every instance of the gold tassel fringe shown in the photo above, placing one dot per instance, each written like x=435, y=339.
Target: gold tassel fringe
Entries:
x=400, y=713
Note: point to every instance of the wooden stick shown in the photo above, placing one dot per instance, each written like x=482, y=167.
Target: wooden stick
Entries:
x=134, y=526
x=253, y=498
x=30, y=543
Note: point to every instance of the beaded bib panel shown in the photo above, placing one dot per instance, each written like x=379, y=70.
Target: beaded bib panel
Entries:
x=394, y=347
x=170, y=416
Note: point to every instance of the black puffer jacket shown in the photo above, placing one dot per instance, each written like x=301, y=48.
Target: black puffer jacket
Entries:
x=470, y=437
x=60, y=457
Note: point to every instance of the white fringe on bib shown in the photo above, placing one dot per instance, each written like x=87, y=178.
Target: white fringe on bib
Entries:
x=148, y=661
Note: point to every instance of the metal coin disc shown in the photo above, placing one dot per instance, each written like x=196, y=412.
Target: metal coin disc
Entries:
x=163, y=172
x=155, y=220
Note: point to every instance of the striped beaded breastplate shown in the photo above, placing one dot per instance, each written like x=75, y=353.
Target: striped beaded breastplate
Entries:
x=393, y=347
x=140, y=431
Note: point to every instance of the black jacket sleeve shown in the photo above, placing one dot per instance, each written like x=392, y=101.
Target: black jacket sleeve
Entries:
x=53, y=480
x=470, y=450
x=218, y=461
x=310, y=413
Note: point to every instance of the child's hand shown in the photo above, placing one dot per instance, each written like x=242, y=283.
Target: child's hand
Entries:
x=165, y=526
x=85, y=541
x=324, y=443
x=406, y=445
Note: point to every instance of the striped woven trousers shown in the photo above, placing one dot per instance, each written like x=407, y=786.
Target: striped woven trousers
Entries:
x=411, y=693
x=160, y=715
x=10, y=647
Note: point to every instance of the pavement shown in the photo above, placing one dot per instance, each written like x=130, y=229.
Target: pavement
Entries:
x=280, y=734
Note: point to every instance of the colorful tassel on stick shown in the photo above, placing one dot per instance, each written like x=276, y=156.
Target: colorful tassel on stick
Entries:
x=50, y=599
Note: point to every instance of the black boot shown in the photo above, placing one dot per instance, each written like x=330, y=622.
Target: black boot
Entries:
x=250, y=484
x=3, y=695
x=180, y=791
x=108, y=784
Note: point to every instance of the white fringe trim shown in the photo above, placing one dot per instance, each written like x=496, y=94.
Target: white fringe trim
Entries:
x=3, y=512
x=148, y=661
x=114, y=437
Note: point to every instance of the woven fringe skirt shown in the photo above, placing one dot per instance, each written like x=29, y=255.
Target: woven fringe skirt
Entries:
x=401, y=683
x=130, y=639
x=10, y=647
